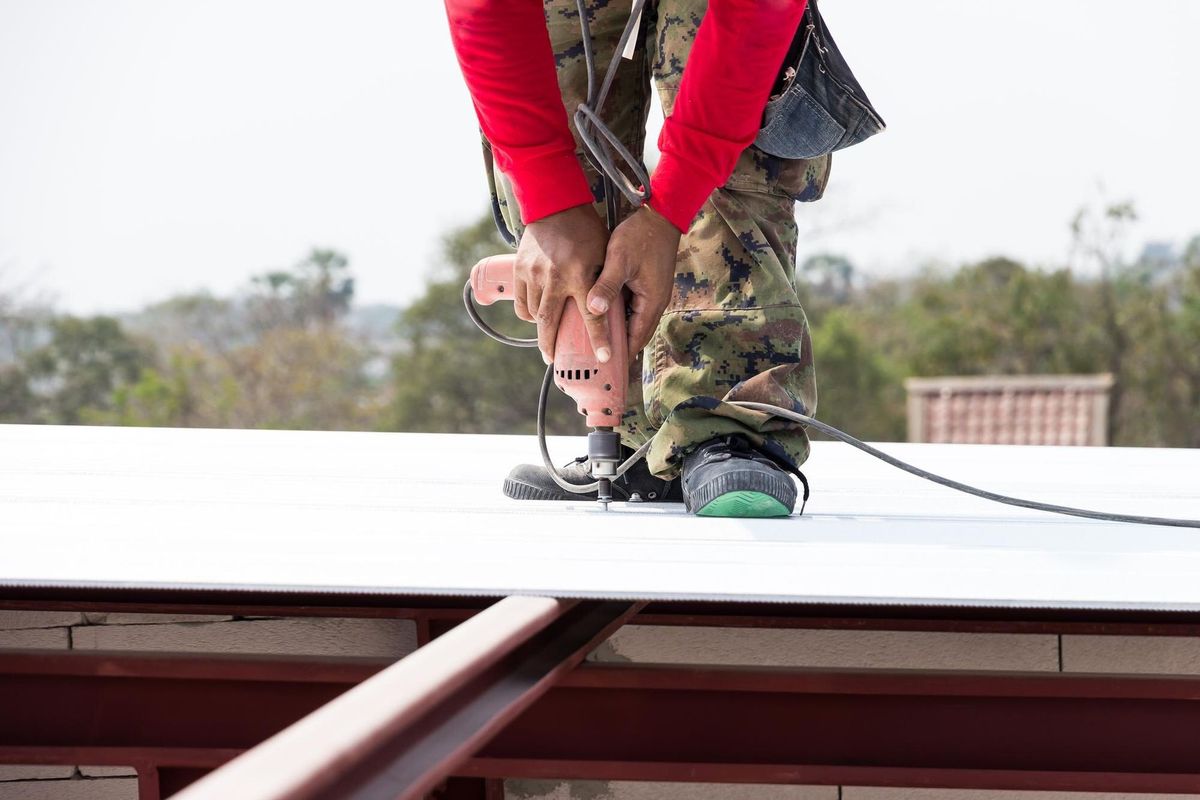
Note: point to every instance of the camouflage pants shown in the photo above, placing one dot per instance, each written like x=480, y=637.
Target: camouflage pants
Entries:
x=734, y=329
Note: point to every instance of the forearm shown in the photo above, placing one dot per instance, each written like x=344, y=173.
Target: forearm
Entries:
x=726, y=83
x=504, y=51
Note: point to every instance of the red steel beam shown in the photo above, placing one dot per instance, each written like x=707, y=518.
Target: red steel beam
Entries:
x=953, y=730
x=403, y=731
x=967, y=730
x=77, y=707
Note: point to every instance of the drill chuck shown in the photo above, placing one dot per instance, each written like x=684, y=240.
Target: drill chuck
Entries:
x=604, y=452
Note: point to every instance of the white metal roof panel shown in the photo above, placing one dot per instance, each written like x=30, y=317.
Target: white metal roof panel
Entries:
x=411, y=514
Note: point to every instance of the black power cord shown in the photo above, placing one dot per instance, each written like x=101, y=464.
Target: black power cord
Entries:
x=829, y=430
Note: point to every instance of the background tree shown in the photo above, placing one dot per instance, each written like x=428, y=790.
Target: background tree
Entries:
x=1182, y=345
x=75, y=375
x=24, y=325
x=859, y=388
x=453, y=378
x=292, y=350
x=317, y=291
x=278, y=356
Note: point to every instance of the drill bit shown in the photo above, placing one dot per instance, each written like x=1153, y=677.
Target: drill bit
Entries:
x=604, y=492
x=604, y=456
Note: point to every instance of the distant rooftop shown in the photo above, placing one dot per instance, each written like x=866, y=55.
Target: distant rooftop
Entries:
x=1001, y=409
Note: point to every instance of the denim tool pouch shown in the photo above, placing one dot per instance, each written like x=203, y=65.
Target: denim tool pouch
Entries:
x=817, y=106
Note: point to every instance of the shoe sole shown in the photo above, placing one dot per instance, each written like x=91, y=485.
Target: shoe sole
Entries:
x=745, y=504
x=523, y=491
x=731, y=504
x=517, y=490
x=745, y=493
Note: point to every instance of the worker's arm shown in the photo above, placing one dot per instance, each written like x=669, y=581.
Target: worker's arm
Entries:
x=718, y=110
x=504, y=50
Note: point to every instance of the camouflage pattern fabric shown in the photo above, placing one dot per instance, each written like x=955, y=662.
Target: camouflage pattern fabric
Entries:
x=734, y=329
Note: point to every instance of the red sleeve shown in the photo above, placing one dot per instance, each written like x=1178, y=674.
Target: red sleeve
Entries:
x=504, y=50
x=726, y=82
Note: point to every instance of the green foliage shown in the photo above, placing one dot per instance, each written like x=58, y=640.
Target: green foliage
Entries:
x=284, y=353
x=85, y=362
x=17, y=402
x=316, y=291
x=998, y=317
x=859, y=389
x=215, y=323
x=289, y=378
x=275, y=357
x=279, y=357
x=1179, y=356
x=826, y=279
x=453, y=378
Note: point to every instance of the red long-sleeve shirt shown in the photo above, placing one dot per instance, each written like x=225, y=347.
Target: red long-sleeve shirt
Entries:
x=504, y=50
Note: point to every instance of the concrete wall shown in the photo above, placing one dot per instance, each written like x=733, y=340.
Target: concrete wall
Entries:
x=395, y=638
x=178, y=633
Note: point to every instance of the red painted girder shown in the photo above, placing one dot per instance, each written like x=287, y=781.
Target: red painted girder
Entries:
x=953, y=729
x=404, y=730
x=969, y=730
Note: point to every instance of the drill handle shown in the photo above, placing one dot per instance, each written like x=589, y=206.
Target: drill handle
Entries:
x=598, y=389
x=492, y=279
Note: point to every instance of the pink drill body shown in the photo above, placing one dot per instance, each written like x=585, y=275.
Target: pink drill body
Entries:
x=597, y=389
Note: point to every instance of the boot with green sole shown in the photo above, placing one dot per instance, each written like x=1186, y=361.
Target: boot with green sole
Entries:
x=728, y=477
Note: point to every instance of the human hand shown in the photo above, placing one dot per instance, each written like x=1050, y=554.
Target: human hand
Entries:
x=641, y=255
x=557, y=260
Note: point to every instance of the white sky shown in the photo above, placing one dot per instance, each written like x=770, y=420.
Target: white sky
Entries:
x=157, y=146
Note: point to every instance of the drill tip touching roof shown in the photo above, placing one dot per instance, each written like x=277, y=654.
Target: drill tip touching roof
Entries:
x=421, y=515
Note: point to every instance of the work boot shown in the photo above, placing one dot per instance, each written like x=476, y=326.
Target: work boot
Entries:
x=728, y=477
x=530, y=482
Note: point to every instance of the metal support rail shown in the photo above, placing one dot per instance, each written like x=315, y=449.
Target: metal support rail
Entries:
x=965, y=730
x=174, y=717
x=401, y=732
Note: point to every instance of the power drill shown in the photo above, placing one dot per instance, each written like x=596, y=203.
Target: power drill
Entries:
x=597, y=389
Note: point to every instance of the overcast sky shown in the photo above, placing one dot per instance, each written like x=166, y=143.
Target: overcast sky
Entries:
x=156, y=146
